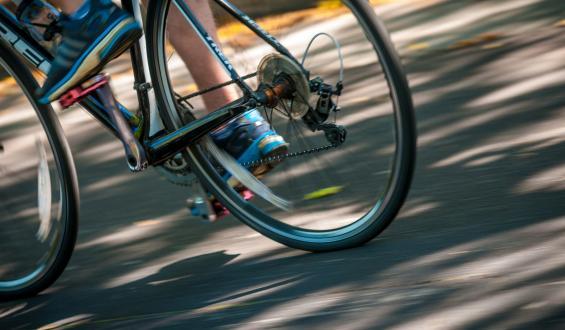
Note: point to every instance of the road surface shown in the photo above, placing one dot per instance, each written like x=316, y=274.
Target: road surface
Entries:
x=479, y=243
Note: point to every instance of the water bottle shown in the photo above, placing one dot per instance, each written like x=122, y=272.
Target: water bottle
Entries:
x=40, y=19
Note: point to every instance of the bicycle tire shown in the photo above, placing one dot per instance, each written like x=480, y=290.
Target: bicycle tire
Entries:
x=379, y=217
x=69, y=211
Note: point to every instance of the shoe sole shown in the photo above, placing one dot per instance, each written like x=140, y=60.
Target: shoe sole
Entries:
x=116, y=41
x=261, y=170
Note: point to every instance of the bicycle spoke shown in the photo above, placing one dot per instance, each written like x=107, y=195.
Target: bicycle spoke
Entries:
x=323, y=158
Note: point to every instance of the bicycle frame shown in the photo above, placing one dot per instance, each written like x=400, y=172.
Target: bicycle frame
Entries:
x=165, y=145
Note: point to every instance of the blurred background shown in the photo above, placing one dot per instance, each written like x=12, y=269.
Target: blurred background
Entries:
x=478, y=243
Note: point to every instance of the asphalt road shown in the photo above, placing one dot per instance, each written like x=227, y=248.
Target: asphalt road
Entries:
x=477, y=245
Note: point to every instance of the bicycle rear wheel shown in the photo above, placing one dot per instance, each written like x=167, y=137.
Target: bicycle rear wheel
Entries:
x=343, y=196
x=38, y=187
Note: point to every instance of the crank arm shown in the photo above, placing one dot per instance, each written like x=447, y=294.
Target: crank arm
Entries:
x=135, y=155
x=100, y=85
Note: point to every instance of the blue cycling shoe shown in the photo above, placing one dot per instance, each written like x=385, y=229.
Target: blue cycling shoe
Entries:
x=246, y=138
x=97, y=33
x=249, y=138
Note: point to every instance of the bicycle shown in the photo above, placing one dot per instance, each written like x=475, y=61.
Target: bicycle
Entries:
x=350, y=121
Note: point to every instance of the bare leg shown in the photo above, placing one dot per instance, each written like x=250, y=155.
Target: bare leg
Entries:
x=202, y=64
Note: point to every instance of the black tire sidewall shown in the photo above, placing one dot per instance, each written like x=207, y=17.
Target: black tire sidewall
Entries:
x=406, y=156
x=67, y=173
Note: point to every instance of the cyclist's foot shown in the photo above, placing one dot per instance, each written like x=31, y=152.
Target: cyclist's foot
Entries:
x=99, y=32
x=250, y=138
x=210, y=209
x=247, y=138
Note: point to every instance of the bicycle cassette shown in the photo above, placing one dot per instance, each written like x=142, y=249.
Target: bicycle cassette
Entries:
x=271, y=67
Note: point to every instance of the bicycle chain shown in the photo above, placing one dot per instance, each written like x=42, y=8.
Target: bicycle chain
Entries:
x=279, y=158
x=259, y=162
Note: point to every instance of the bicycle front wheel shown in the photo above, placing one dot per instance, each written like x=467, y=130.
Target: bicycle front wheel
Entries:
x=344, y=194
x=38, y=187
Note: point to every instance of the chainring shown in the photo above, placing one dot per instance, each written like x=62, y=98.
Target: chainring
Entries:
x=177, y=171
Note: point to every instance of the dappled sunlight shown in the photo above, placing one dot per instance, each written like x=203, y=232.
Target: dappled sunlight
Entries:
x=552, y=179
x=542, y=61
x=340, y=216
x=104, y=152
x=72, y=321
x=493, y=147
x=458, y=18
x=148, y=269
x=139, y=241
x=505, y=258
x=482, y=161
x=305, y=306
x=437, y=134
x=15, y=114
x=466, y=314
x=5, y=312
x=417, y=208
x=252, y=292
x=522, y=87
x=134, y=232
x=478, y=244
x=508, y=252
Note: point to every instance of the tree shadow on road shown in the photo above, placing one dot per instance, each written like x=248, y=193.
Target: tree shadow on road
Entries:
x=478, y=244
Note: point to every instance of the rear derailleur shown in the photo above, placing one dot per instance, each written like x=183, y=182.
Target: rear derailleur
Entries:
x=316, y=117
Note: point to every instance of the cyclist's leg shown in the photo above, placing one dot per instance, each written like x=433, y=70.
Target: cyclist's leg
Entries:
x=247, y=138
x=198, y=59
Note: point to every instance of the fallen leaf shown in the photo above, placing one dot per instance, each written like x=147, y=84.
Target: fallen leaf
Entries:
x=464, y=43
x=326, y=192
x=480, y=39
x=489, y=37
x=419, y=46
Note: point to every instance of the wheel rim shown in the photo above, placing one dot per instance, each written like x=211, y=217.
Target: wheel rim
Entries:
x=259, y=215
x=33, y=225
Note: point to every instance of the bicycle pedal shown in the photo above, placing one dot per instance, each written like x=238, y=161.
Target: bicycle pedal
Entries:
x=221, y=211
x=210, y=209
x=199, y=204
x=201, y=207
x=78, y=93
